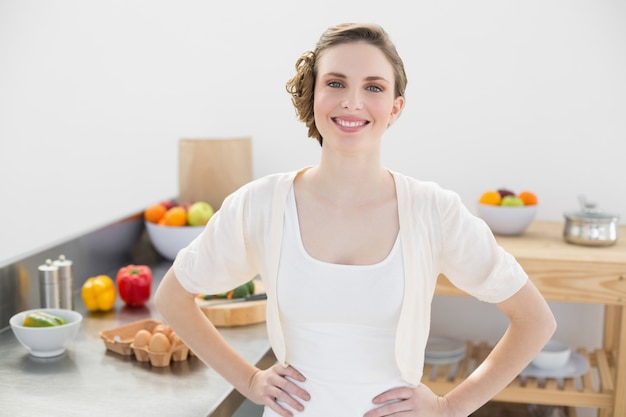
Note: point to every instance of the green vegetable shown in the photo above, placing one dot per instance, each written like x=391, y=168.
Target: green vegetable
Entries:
x=250, y=286
x=241, y=291
x=43, y=319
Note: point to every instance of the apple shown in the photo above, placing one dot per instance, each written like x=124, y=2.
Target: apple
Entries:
x=199, y=213
x=504, y=192
x=511, y=201
x=168, y=204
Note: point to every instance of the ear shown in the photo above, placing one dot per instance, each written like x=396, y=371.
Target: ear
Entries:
x=398, y=105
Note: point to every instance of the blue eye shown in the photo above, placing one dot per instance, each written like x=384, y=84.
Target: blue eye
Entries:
x=335, y=84
x=374, y=89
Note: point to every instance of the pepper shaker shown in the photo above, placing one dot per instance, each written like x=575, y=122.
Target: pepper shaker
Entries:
x=49, y=285
x=66, y=282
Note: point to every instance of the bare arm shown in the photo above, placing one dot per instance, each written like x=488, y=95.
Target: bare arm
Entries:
x=179, y=309
x=531, y=326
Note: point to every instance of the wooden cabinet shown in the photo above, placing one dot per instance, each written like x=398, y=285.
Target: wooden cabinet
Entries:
x=564, y=273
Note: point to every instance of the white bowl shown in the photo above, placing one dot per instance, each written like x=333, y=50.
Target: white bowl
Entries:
x=507, y=220
x=168, y=240
x=553, y=355
x=45, y=342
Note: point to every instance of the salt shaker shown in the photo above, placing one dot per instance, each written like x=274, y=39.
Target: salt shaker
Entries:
x=66, y=282
x=49, y=285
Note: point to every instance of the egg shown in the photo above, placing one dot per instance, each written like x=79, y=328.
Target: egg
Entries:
x=171, y=336
x=174, y=339
x=142, y=338
x=162, y=328
x=159, y=343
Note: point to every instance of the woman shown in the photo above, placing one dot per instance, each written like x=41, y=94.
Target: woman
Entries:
x=350, y=226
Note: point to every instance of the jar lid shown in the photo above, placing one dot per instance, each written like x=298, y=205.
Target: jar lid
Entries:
x=62, y=262
x=48, y=272
x=590, y=213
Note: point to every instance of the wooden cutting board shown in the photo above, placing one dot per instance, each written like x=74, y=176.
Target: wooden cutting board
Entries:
x=236, y=314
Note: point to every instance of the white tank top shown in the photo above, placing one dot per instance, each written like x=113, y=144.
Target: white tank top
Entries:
x=339, y=324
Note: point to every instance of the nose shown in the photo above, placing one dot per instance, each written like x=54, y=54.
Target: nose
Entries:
x=352, y=101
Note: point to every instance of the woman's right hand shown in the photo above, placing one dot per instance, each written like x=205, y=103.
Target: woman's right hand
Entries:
x=273, y=388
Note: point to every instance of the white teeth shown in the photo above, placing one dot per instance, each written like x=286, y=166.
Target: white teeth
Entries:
x=349, y=124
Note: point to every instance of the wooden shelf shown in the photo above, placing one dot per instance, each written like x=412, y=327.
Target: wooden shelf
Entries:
x=566, y=273
x=596, y=388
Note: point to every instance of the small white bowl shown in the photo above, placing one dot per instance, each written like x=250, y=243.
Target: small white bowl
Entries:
x=45, y=342
x=168, y=240
x=507, y=220
x=553, y=355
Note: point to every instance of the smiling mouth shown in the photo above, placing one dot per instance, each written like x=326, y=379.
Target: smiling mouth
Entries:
x=352, y=123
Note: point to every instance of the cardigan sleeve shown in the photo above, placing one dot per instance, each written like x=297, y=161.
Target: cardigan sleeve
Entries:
x=220, y=258
x=471, y=257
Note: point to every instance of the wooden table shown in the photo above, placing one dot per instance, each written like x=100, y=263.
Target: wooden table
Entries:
x=566, y=273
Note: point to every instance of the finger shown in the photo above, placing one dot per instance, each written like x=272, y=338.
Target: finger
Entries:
x=285, y=382
x=400, y=393
x=290, y=372
x=391, y=408
x=282, y=398
x=279, y=410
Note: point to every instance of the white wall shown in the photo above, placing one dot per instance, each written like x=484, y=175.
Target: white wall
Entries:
x=94, y=96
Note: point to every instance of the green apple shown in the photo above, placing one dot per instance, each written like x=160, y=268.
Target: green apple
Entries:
x=199, y=213
x=511, y=201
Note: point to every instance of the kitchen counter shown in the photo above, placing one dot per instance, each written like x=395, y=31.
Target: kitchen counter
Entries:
x=88, y=380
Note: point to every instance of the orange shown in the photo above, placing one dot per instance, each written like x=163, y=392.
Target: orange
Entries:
x=491, y=197
x=154, y=213
x=529, y=198
x=176, y=216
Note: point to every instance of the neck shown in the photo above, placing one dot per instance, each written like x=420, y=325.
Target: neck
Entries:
x=351, y=182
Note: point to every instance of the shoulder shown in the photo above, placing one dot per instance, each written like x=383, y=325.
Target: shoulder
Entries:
x=273, y=180
x=267, y=186
x=264, y=191
x=412, y=189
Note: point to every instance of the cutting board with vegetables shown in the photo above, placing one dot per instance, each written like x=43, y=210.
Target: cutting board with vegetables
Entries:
x=235, y=312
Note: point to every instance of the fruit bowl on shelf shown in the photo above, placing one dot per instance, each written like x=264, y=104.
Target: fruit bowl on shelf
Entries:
x=168, y=240
x=507, y=213
x=507, y=220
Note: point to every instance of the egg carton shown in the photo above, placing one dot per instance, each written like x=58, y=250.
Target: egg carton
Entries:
x=177, y=353
x=121, y=341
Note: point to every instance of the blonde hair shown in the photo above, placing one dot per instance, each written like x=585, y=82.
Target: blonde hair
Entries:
x=301, y=86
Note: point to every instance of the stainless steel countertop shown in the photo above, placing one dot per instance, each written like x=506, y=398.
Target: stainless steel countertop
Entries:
x=88, y=380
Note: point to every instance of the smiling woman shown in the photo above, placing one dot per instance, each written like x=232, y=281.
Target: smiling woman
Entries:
x=95, y=96
x=348, y=225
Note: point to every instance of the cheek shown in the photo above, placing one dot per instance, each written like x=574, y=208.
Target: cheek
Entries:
x=322, y=106
x=383, y=110
x=322, y=102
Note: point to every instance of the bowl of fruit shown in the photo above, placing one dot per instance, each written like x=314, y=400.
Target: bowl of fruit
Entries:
x=171, y=226
x=46, y=332
x=507, y=213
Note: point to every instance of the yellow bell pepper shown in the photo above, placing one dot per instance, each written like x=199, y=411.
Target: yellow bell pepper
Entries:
x=98, y=293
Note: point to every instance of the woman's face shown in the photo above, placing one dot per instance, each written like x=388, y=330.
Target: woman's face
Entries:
x=354, y=95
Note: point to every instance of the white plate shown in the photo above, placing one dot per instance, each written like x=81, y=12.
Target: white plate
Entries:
x=575, y=367
x=443, y=347
x=444, y=360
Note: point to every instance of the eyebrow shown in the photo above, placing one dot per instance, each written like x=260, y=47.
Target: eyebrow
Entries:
x=370, y=78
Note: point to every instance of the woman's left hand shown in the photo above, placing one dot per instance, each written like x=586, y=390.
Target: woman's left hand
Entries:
x=406, y=401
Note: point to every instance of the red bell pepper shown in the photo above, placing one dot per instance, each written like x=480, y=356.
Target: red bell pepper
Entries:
x=134, y=284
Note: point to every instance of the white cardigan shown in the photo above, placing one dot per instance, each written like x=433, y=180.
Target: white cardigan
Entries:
x=438, y=234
